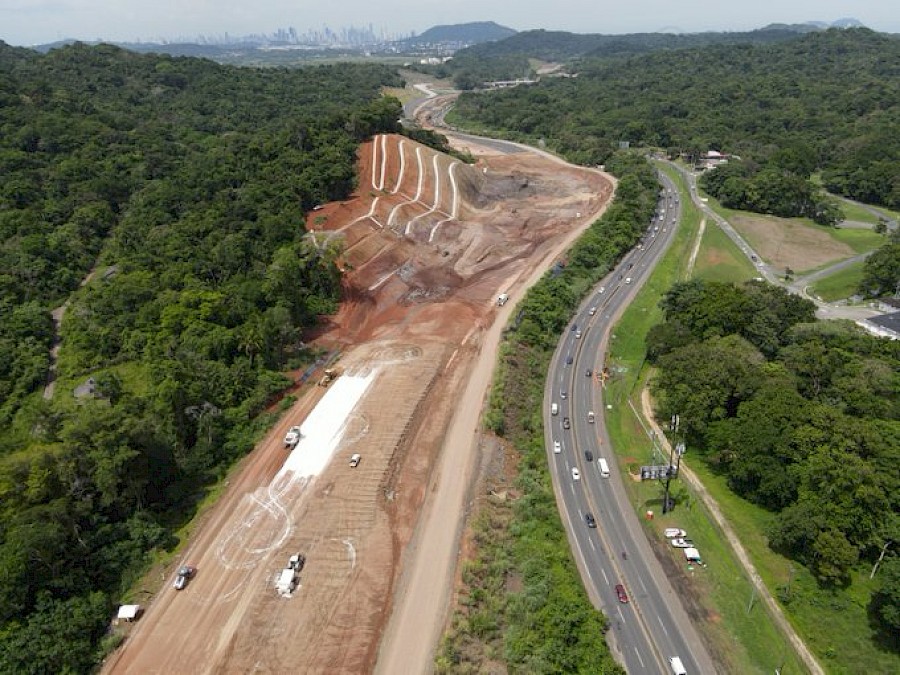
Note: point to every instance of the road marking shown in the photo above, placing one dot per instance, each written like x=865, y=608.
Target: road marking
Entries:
x=591, y=542
x=605, y=578
x=638, y=654
x=663, y=626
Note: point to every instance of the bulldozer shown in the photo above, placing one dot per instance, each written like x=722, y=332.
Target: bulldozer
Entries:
x=330, y=375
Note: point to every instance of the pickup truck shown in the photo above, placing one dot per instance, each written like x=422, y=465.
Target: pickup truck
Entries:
x=292, y=437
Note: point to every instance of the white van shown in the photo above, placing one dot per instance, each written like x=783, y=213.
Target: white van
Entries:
x=554, y=408
x=354, y=460
x=604, y=467
x=677, y=666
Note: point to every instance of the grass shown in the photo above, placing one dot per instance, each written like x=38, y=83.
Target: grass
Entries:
x=853, y=211
x=719, y=259
x=839, y=285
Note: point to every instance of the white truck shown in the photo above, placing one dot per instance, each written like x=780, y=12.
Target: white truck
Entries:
x=292, y=437
x=289, y=576
x=502, y=299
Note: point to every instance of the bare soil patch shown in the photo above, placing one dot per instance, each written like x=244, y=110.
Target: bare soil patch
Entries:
x=788, y=243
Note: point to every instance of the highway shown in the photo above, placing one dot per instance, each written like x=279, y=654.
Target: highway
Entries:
x=652, y=626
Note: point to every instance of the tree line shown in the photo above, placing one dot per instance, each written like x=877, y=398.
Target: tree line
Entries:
x=824, y=102
x=184, y=184
x=800, y=416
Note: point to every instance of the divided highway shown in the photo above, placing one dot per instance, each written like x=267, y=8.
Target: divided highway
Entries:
x=652, y=626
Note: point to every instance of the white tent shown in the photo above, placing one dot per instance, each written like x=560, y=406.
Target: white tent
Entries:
x=691, y=554
x=129, y=612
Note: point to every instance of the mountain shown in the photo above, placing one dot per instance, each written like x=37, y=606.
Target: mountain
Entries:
x=465, y=33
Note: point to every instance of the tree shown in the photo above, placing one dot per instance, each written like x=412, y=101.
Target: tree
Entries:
x=885, y=602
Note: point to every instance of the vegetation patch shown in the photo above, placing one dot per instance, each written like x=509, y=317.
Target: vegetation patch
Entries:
x=839, y=285
x=523, y=603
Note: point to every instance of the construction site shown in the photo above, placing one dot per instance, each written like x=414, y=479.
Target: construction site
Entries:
x=429, y=244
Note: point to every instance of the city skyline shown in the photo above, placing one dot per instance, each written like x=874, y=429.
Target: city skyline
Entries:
x=31, y=22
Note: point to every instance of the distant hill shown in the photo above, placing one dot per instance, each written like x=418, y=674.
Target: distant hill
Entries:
x=465, y=33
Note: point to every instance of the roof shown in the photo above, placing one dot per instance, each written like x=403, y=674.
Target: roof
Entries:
x=890, y=321
x=129, y=612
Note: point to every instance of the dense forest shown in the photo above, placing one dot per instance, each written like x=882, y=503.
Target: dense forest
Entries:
x=182, y=185
x=826, y=101
x=509, y=58
x=801, y=417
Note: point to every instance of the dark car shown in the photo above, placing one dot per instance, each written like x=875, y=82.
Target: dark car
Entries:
x=588, y=372
x=569, y=360
x=589, y=519
x=574, y=327
x=566, y=423
x=588, y=455
x=184, y=573
x=621, y=594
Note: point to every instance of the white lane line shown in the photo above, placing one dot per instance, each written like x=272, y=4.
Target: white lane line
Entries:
x=591, y=542
x=663, y=626
x=572, y=487
x=641, y=579
x=605, y=578
x=638, y=654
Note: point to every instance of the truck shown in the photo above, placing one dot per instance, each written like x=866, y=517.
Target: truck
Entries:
x=288, y=577
x=292, y=437
x=502, y=299
x=330, y=375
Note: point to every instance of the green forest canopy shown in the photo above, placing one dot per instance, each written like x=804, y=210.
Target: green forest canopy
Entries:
x=801, y=417
x=185, y=184
x=832, y=98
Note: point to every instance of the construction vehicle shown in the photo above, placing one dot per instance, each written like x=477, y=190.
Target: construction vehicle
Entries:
x=288, y=577
x=330, y=374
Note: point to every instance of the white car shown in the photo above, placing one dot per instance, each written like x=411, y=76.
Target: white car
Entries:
x=592, y=311
x=557, y=447
x=292, y=437
x=627, y=280
x=682, y=543
x=672, y=532
x=577, y=334
x=576, y=474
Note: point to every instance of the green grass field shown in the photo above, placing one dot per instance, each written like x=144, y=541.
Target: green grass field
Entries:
x=853, y=211
x=719, y=259
x=840, y=285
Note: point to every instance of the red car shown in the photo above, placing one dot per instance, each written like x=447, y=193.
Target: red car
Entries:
x=621, y=594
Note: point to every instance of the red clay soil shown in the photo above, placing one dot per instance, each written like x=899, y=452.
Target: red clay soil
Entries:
x=429, y=243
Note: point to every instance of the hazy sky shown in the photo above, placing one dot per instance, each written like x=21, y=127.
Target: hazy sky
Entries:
x=27, y=22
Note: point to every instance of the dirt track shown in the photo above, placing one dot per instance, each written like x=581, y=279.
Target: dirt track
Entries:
x=429, y=243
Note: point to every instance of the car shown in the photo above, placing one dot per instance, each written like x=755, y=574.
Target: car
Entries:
x=574, y=327
x=292, y=437
x=569, y=360
x=672, y=532
x=354, y=460
x=576, y=474
x=602, y=289
x=592, y=311
x=590, y=520
x=590, y=416
x=185, y=572
x=557, y=447
x=588, y=372
x=577, y=334
x=630, y=265
x=566, y=423
x=588, y=455
x=680, y=542
x=627, y=280
x=562, y=393
x=621, y=594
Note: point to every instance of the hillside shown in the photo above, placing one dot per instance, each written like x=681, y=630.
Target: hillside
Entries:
x=176, y=190
x=464, y=33
x=825, y=100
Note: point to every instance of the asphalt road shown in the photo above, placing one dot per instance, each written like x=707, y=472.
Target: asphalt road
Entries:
x=652, y=626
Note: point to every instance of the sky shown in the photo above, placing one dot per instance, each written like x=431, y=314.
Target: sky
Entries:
x=30, y=22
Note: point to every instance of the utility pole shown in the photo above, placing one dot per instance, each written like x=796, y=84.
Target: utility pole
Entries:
x=669, y=474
